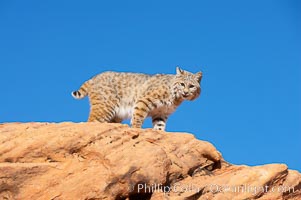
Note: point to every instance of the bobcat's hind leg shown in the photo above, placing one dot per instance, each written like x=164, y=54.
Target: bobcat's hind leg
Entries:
x=159, y=123
x=101, y=114
x=100, y=111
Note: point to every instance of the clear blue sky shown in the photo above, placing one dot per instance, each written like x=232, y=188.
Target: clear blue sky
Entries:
x=249, y=52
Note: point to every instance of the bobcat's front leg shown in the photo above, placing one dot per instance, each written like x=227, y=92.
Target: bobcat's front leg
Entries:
x=159, y=122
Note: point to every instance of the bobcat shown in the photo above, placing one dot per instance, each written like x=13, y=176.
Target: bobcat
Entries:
x=115, y=96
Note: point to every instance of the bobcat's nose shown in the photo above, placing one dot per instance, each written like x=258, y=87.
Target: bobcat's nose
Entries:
x=185, y=94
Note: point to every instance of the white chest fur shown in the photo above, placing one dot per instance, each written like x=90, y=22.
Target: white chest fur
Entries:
x=164, y=110
x=126, y=112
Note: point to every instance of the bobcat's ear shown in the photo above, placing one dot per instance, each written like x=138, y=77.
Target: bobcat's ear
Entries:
x=199, y=76
x=179, y=70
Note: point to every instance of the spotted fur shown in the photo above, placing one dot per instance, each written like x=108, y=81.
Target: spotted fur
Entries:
x=116, y=96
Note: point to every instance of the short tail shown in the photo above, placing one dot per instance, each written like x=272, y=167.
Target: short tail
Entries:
x=82, y=92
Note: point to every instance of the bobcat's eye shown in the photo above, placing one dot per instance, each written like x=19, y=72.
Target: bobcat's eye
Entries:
x=182, y=84
x=191, y=86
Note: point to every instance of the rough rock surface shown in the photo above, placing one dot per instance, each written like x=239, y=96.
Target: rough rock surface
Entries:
x=113, y=161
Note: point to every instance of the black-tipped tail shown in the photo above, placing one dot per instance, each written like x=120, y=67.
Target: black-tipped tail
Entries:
x=82, y=92
x=76, y=94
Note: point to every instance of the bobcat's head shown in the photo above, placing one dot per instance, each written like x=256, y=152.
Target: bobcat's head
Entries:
x=187, y=85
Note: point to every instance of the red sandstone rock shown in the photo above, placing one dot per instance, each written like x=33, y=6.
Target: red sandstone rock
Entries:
x=113, y=161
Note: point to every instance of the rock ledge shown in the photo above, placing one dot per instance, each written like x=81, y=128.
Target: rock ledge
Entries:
x=112, y=161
